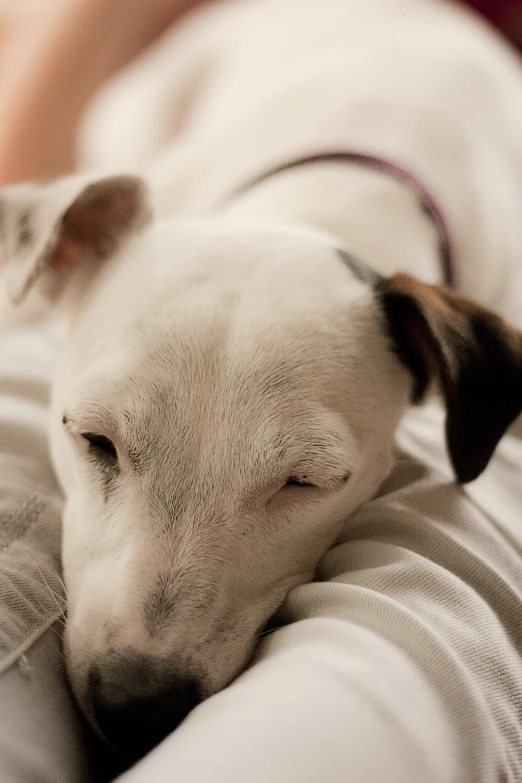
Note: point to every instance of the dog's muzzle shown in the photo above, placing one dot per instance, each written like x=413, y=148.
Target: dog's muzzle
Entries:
x=139, y=700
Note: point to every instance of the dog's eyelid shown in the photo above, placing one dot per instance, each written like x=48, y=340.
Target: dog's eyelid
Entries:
x=299, y=481
x=68, y=422
x=88, y=419
x=315, y=481
x=99, y=444
x=337, y=482
x=99, y=441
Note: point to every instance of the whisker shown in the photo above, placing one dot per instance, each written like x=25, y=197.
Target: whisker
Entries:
x=268, y=631
x=58, y=599
x=59, y=635
x=62, y=583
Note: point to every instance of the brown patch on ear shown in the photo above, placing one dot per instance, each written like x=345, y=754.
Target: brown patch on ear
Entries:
x=475, y=356
x=67, y=254
x=104, y=213
x=47, y=230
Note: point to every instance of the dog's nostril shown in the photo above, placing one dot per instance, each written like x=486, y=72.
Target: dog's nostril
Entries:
x=136, y=703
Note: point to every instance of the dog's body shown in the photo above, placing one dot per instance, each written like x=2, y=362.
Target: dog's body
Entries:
x=232, y=383
x=244, y=86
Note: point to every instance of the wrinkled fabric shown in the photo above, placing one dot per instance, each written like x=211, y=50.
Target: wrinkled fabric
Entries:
x=41, y=735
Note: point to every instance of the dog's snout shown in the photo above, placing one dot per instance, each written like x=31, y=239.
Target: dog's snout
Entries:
x=138, y=700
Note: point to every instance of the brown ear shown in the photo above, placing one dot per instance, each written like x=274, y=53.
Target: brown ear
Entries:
x=53, y=227
x=474, y=354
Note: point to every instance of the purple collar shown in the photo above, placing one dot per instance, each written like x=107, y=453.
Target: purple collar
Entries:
x=426, y=200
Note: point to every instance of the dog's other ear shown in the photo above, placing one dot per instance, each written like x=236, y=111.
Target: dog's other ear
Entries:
x=475, y=356
x=55, y=226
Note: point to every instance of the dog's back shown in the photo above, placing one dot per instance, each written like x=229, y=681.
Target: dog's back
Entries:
x=243, y=85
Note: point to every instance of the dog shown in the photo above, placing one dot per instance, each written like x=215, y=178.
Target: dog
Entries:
x=254, y=304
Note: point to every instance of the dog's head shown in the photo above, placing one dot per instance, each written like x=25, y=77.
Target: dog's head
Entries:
x=226, y=397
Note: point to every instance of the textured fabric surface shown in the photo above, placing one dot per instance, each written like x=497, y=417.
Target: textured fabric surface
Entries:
x=403, y=664
x=40, y=733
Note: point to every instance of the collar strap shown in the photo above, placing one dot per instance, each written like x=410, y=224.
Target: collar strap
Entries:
x=427, y=201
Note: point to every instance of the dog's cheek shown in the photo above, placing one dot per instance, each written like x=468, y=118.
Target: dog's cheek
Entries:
x=81, y=541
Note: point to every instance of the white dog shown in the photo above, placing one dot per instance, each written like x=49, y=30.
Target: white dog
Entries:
x=233, y=378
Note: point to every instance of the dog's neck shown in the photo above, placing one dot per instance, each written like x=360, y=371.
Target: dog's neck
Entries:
x=371, y=214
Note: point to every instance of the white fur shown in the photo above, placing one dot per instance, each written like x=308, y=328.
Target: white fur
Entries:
x=218, y=353
x=228, y=347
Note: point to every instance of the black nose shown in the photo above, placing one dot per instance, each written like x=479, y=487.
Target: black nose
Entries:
x=138, y=700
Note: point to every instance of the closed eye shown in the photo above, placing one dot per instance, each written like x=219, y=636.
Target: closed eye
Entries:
x=318, y=480
x=97, y=450
x=101, y=446
x=298, y=481
x=304, y=482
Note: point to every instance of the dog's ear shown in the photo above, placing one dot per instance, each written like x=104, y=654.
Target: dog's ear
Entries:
x=475, y=356
x=55, y=226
